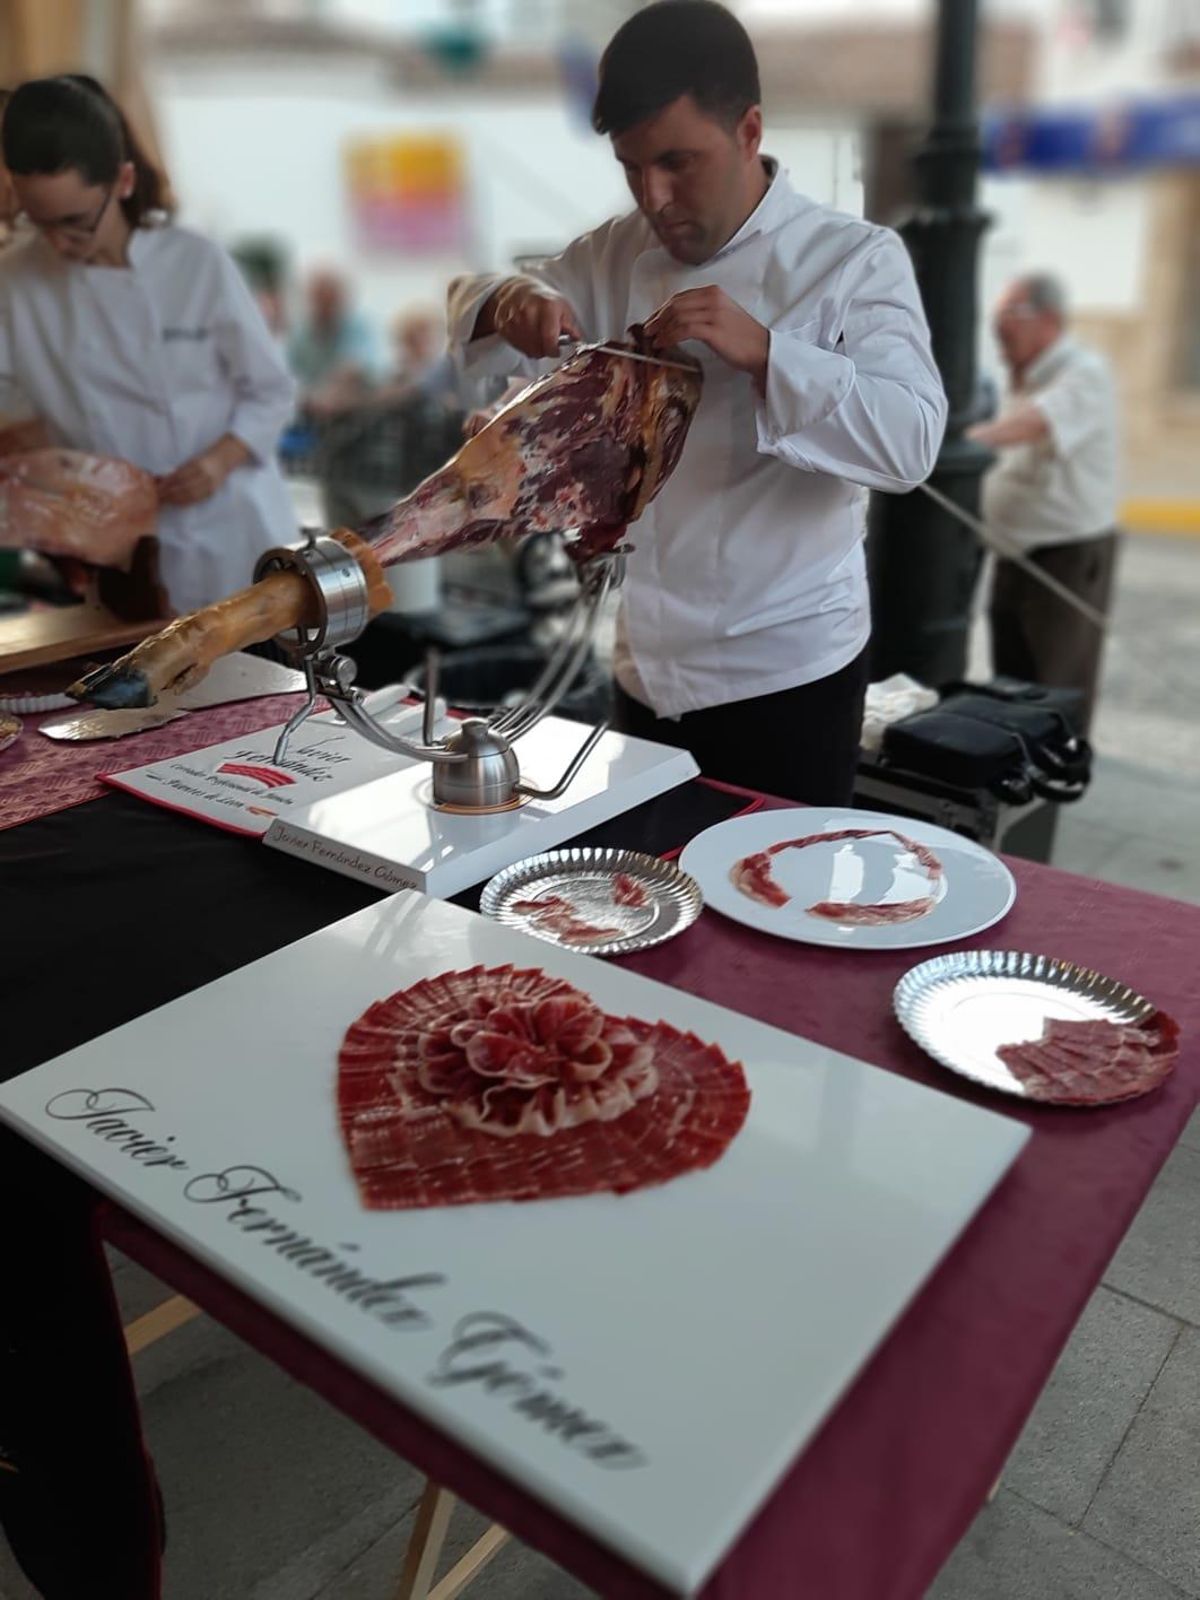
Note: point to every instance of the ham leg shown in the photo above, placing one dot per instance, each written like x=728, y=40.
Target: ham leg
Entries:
x=581, y=451
x=178, y=658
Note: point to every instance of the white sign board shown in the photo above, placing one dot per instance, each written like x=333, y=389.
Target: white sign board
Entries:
x=238, y=785
x=647, y=1364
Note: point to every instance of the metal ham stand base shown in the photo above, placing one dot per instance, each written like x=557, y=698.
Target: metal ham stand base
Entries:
x=475, y=768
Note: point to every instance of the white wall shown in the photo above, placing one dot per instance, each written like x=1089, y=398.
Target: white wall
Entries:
x=1074, y=67
x=256, y=150
x=1094, y=236
x=259, y=151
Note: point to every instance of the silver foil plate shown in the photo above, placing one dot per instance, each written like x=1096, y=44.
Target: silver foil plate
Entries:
x=585, y=878
x=960, y=1008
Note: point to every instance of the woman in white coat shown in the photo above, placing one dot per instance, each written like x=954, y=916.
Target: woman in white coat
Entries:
x=132, y=337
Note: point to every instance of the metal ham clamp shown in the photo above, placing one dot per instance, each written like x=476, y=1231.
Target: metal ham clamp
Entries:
x=474, y=768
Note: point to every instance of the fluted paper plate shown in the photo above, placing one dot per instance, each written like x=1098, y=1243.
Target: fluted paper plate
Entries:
x=28, y=705
x=961, y=1008
x=585, y=877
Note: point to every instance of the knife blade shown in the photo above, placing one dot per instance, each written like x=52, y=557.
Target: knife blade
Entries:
x=569, y=347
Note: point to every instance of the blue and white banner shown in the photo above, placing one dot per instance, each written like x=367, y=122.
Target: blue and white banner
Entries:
x=1126, y=136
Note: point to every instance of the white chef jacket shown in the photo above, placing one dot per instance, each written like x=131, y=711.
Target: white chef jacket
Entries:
x=152, y=363
x=1064, y=487
x=747, y=574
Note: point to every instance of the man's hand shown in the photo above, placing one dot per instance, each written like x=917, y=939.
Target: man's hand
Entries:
x=709, y=315
x=476, y=421
x=528, y=316
x=201, y=477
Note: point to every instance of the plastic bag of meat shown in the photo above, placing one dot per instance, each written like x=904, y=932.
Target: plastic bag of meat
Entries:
x=68, y=503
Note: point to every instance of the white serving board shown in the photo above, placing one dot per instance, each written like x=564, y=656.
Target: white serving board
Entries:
x=704, y=1328
x=386, y=832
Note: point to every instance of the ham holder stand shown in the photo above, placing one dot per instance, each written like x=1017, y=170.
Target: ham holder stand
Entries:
x=475, y=768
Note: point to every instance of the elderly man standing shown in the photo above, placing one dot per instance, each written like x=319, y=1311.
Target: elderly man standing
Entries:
x=1052, y=493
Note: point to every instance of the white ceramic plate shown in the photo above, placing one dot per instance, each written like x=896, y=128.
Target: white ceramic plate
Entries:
x=974, y=891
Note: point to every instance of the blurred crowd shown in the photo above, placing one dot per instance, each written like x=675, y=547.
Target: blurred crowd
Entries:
x=379, y=406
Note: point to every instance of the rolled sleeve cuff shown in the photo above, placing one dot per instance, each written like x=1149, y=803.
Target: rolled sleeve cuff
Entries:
x=259, y=428
x=805, y=385
x=1060, y=436
x=490, y=357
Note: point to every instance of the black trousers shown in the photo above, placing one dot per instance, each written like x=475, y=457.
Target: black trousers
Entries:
x=801, y=744
x=1036, y=635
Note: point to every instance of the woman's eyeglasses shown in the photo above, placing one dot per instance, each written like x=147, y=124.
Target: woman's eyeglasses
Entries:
x=77, y=227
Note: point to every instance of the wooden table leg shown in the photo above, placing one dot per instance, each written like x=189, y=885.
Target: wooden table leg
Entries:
x=472, y=1564
x=425, y=1546
x=433, y=1514
x=425, y=1549
x=155, y=1325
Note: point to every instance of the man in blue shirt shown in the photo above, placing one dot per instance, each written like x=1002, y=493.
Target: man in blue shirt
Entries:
x=332, y=353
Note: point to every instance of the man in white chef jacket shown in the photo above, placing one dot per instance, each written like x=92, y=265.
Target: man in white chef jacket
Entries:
x=745, y=615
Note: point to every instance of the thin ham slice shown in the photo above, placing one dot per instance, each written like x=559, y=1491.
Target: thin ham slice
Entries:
x=1095, y=1062
x=752, y=875
x=551, y=913
x=628, y=891
x=556, y=914
x=506, y=1084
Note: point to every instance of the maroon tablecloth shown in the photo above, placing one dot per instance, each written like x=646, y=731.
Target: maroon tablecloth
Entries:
x=39, y=776
x=874, y=1506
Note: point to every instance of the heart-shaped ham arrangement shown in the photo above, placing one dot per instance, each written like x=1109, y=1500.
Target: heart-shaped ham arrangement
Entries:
x=504, y=1084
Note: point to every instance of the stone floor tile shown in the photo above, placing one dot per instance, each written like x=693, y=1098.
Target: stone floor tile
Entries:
x=1094, y=1394
x=1159, y=1260
x=1014, y=1551
x=1149, y=1503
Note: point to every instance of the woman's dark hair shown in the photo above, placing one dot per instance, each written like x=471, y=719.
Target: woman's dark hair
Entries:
x=673, y=48
x=71, y=124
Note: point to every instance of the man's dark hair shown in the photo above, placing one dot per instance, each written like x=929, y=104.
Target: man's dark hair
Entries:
x=673, y=48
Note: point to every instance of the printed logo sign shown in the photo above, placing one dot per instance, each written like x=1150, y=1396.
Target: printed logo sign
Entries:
x=269, y=777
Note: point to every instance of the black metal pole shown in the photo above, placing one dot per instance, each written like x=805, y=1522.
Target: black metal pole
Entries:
x=923, y=563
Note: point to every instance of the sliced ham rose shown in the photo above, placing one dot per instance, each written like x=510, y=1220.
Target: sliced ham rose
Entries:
x=508, y=1084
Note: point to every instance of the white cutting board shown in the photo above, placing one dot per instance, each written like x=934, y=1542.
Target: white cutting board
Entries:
x=702, y=1330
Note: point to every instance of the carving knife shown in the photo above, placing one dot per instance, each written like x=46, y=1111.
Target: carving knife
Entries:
x=569, y=347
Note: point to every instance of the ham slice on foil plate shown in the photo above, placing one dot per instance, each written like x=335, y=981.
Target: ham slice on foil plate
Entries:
x=1094, y=1061
x=556, y=915
x=753, y=876
x=508, y=1084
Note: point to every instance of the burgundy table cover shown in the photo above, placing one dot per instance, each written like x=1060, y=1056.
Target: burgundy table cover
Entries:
x=873, y=1507
x=40, y=776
